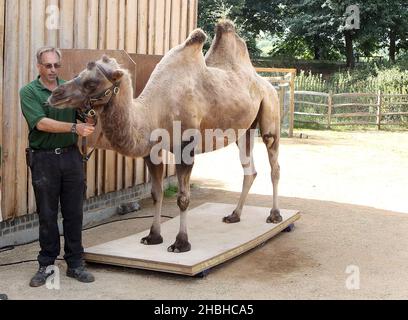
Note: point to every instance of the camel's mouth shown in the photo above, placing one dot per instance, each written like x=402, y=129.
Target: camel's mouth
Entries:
x=59, y=103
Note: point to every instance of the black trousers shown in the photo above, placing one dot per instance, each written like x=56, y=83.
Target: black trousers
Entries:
x=59, y=178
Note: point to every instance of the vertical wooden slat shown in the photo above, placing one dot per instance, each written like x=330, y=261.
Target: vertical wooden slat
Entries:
x=37, y=28
x=142, y=47
x=131, y=26
x=142, y=14
x=111, y=43
x=102, y=25
x=10, y=100
x=379, y=104
x=175, y=23
x=52, y=17
x=195, y=15
x=101, y=155
x=37, y=39
x=2, y=17
x=120, y=159
x=159, y=27
x=81, y=24
x=191, y=15
x=130, y=46
x=151, y=27
x=112, y=24
x=22, y=130
x=167, y=23
x=92, y=44
x=93, y=16
x=329, y=111
x=66, y=33
x=122, y=24
x=183, y=20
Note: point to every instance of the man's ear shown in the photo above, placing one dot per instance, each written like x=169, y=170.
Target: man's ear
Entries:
x=117, y=75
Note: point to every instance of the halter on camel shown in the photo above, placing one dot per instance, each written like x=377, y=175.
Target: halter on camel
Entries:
x=88, y=110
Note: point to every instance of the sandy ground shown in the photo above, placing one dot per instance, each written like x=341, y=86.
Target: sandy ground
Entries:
x=352, y=191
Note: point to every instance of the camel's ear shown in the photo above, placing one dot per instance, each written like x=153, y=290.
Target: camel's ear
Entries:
x=91, y=65
x=117, y=75
x=105, y=58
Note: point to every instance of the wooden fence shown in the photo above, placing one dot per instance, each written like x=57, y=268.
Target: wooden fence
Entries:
x=347, y=109
x=137, y=26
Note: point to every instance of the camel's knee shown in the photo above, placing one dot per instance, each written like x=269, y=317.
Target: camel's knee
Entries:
x=271, y=141
x=183, y=201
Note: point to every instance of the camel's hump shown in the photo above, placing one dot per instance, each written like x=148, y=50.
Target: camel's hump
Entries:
x=197, y=36
x=225, y=25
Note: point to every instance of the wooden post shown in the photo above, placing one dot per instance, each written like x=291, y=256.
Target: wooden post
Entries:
x=329, y=111
x=379, y=102
x=292, y=103
x=281, y=101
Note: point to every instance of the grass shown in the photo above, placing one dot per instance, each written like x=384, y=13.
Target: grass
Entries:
x=171, y=191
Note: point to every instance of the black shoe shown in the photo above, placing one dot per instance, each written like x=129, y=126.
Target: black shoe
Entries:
x=80, y=274
x=40, y=278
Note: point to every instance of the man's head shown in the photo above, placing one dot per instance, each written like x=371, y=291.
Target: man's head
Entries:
x=48, y=63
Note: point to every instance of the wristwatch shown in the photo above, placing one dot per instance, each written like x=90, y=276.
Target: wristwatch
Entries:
x=73, y=128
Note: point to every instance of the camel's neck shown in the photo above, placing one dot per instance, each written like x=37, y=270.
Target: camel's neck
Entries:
x=125, y=123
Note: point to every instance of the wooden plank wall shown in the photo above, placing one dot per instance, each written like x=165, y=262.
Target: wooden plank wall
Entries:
x=138, y=26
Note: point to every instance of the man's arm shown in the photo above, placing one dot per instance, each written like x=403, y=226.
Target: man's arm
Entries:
x=53, y=126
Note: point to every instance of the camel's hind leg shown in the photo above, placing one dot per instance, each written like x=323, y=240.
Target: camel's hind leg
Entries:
x=156, y=172
x=269, y=124
x=245, y=146
x=183, y=201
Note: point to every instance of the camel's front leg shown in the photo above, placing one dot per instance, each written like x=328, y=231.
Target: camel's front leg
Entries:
x=156, y=172
x=183, y=201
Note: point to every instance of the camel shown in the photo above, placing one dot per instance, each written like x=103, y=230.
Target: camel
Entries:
x=219, y=91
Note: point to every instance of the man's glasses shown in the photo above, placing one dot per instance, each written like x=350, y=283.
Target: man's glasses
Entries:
x=51, y=65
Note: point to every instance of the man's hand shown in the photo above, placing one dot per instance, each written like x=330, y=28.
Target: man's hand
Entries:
x=84, y=129
x=90, y=120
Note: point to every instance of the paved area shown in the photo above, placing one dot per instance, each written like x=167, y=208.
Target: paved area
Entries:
x=351, y=190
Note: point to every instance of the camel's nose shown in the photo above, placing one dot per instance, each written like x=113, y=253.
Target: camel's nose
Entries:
x=58, y=92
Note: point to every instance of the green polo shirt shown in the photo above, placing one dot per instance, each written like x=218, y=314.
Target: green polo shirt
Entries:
x=33, y=99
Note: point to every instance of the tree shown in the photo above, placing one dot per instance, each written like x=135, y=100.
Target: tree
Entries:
x=211, y=11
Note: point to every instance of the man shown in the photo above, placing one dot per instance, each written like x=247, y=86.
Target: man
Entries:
x=56, y=169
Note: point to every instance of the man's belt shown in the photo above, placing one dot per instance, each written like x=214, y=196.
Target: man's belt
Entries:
x=55, y=151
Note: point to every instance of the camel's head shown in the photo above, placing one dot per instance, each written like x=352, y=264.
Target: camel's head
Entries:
x=92, y=88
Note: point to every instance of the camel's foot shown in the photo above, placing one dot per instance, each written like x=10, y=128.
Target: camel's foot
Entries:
x=152, y=239
x=275, y=217
x=232, y=218
x=181, y=244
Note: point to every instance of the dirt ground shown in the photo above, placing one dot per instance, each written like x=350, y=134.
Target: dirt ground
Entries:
x=351, y=188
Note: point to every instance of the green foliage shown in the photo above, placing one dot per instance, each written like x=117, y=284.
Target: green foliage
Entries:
x=171, y=191
x=211, y=11
x=369, y=78
x=314, y=29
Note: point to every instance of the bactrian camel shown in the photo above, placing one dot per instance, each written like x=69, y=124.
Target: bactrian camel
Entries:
x=219, y=91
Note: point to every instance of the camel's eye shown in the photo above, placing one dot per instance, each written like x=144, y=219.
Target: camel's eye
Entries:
x=91, y=85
